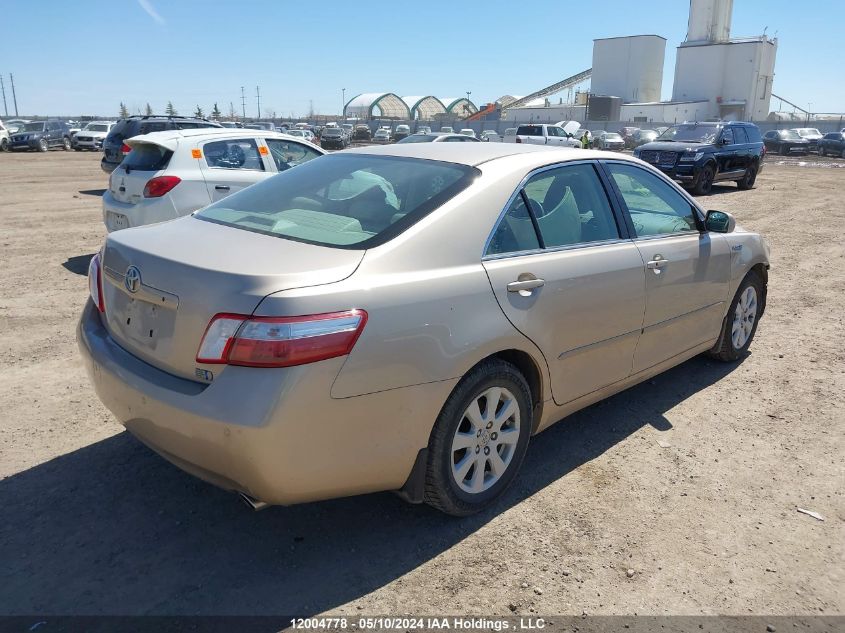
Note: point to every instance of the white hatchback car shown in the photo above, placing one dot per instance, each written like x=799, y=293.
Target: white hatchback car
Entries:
x=171, y=174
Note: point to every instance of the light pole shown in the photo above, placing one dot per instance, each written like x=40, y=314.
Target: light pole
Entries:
x=343, y=103
x=809, y=111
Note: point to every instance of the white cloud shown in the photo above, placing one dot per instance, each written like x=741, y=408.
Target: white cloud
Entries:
x=147, y=6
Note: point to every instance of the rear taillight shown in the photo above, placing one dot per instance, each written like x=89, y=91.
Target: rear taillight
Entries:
x=95, y=282
x=234, y=339
x=125, y=149
x=157, y=187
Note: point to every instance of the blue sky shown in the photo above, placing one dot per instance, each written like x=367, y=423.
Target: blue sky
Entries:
x=89, y=55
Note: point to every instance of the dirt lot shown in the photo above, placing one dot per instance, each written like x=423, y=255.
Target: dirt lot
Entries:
x=93, y=523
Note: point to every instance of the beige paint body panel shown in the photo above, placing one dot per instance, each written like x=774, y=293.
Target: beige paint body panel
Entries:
x=586, y=318
x=685, y=300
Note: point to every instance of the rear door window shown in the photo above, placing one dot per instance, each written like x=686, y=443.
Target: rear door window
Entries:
x=238, y=153
x=529, y=130
x=740, y=136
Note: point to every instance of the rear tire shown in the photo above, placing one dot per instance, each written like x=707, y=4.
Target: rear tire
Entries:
x=821, y=152
x=704, y=184
x=842, y=154
x=741, y=321
x=66, y=144
x=748, y=180
x=477, y=445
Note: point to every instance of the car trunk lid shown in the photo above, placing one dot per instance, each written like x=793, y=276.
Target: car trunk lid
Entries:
x=163, y=283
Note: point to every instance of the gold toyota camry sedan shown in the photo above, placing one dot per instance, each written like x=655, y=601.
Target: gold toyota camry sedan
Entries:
x=407, y=317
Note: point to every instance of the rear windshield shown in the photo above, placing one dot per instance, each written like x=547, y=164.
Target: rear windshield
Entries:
x=96, y=127
x=529, y=130
x=345, y=201
x=790, y=135
x=146, y=157
x=332, y=131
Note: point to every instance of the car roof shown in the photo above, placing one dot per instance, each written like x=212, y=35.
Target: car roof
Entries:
x=473, y=154
x=170, y=138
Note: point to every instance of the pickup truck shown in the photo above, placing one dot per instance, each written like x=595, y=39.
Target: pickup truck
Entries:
x=543, y=134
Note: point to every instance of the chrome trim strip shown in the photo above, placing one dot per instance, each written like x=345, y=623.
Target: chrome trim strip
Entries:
x=555, y=249
x=584, y=348
x=146, y=293
x=660, y=324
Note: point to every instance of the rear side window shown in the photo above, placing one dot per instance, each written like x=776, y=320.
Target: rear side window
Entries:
x=151, y=126
x=287, y=154
x=118, y=131
x=345, y=201
x=147, y=157
x=240, y=153
x=753, y=134
x=529, y=130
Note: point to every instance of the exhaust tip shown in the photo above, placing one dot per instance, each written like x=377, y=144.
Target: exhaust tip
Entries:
x=253, y=503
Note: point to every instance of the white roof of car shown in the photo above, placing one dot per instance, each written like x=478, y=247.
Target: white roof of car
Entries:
x=170, y=138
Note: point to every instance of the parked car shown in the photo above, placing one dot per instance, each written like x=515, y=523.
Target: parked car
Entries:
x=402, y=131
x=423, y=129
x=170, y=174
x=382, y=136
x=41, y=136
x=627, y=134
x=362, y=133
x=114, y=149
x=333, y=138
x=231, y=124
x=261, y=125
x=811, y=134
x=92, y=136
x=509, y=135
x=543, y=134
x=641, y=137
x=610, y=141
x=4, y=138
x=490, y=136
x=266, y=342
x=447, y=129
x=832, y=144
x=349, y=128
x=13, y=125
x=699, y=154
x=785, y=142
x=308, y=135
x=468, y=132
x=435, y=137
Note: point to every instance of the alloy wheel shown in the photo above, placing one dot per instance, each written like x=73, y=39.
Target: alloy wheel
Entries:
x=744, y=316
x=485, y=440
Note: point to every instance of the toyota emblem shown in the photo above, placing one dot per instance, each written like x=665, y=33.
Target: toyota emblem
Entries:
x=132, y=279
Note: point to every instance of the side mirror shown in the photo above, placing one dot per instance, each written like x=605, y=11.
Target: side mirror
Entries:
x=723, y=141
x=719, y=222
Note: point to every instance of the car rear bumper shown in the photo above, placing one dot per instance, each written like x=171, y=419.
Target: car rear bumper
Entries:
x=274, y=434
x=123, y=215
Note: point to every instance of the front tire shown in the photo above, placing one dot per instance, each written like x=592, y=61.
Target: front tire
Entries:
x=4, y=145
x=741, y=321
x=43, y=145
x=479, y=440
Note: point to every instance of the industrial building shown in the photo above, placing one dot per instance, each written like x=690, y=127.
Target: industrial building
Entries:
x=716, y=76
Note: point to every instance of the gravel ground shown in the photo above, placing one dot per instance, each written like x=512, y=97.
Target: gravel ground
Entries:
x=691, y=481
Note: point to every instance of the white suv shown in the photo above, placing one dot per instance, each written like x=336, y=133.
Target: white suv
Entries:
x=174, y=173
x=92, y=135
x=4, y=138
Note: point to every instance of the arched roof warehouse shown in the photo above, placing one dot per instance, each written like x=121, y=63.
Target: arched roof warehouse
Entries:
x=460, y=106
x=377, y=104
x=424, y=108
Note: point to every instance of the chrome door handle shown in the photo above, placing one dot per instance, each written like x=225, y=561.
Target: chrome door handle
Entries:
x=525, y=285
x=657, y=263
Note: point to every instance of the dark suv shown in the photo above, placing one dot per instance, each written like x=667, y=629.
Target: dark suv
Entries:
x=41, y=135
x=699, y=154
x=114, y=149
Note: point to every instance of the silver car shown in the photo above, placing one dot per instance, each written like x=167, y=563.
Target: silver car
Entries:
x=407, y=317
